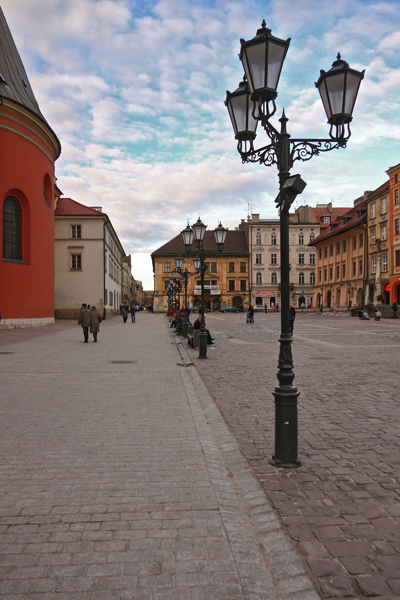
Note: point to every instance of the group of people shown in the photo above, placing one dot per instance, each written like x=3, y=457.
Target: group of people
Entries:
x=89, y=318
x=125, y=311
x=178, y=316
x=364, y=316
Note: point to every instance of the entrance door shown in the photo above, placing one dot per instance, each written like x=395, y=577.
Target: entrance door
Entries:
x=329, y=299
x=237, y=302
x=216, y=304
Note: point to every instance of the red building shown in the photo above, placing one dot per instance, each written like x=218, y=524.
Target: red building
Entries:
x=394, y=228
x=28, y=150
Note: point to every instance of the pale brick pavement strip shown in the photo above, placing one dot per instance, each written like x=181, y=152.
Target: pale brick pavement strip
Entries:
x=342, y=507
x=122, y=481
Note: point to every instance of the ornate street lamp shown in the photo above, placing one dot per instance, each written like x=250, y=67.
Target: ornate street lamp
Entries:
x=196, y=234
x=179, y=263
x=262, y=59
x=349, y=292
x=321, y=308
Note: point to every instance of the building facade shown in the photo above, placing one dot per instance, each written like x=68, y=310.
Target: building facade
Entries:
x=28, y=150
x=378, y=239
x=341, y=255
x=88, y=260
x=394, y=223
x=226, y=279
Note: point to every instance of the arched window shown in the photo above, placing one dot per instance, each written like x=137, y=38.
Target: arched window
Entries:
x=259, y=278
x=12, y=229
x=274, y=278
x=312, y=278
x=301, y=277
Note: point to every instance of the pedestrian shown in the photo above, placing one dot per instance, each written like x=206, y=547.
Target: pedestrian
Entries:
x=133, y=313
x=378, y=314
x=394, y=309
x=197, y=325
x=277, y=307
x=84, y=321
x=124, y=312
x=95, y=321
x=360, y=310
x=251, y=314
x=292, y=318
x=302, y=306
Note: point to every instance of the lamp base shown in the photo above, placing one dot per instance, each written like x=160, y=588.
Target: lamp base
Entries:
x=278, y=463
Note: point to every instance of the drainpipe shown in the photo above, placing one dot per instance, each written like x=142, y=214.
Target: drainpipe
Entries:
x=104, y=265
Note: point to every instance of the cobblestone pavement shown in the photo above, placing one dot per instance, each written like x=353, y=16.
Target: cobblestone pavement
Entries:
x=341, y=507
x=120, y=480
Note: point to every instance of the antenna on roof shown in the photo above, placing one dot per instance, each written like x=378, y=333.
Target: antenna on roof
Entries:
x=249, y=210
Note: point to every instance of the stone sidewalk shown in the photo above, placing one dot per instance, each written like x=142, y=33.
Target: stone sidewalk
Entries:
x=119, y=478
x=341, y=508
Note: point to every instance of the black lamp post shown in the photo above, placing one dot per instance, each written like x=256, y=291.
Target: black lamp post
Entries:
x=196, y=234
x=253, y=102
x=349, y=292
x=179, y=263
x=321, y=308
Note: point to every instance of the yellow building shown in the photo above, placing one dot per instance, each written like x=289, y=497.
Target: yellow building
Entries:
x=226, y=279
x=341, y=260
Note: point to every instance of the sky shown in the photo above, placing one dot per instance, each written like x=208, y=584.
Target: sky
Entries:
x=135, y=91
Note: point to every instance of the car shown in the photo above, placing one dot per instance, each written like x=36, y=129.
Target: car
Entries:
x=258, y=308
x=195, y=309
x=234, y=309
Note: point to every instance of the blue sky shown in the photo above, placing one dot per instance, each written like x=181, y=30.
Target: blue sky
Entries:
x=135, y=91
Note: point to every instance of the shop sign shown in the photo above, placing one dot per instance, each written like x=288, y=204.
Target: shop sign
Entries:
x=212, y=290
x=262, y=294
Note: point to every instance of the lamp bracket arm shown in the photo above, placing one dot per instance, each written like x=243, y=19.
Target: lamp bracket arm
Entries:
x=267, y=155
x=305, y=149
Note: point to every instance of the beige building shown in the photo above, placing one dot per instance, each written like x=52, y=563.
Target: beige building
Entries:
x=379, y=256
x=88, y=260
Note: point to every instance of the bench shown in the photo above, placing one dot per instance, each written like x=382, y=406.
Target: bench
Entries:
x=194, y=338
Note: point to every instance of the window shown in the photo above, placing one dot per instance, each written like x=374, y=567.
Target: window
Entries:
x=319, y=276
x=312, y=259
x=207, y=266
x=312, y=236
x=354, y=242
x=326, y=251
x=331, y=273
x=338, y=248
x=273, y=239
x=111, y=299
x=243, y=267
x=259, y=278
x=344, y=245
x=301, y=259
x=214, y=282
x=320, y=253
x=167, y=267
x=76, y=262
x=373, y=211
x=231, y=285
x=383, y=232
x=273, y=259
x=373, y=236
x=258, y=239
x=231, y=267
x=343, y=271
x=331, y=250
x=242, y=285
x=384, y=263
x=397, y=258
x=373, y=269
x=326, y=219
x=301, y=239
x=12, y=229
x=396, y=226
x=337, y=271
x=325, y=274
x=105, y=297
x=213, y=267
x=301, y=278
x=360, y=271
x=76, y=232
x=274, y=278
x=396, y=196
x=206, y=282
x=383, y=206
x=361, y=240
x=312, y=278
x=258, y=259
x=354, y=268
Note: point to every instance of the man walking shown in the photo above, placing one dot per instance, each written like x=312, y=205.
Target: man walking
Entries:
x=84, y=321
x=133, y=313
x=394, y=309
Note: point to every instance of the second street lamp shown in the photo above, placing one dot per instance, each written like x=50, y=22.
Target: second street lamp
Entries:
x=252, y=103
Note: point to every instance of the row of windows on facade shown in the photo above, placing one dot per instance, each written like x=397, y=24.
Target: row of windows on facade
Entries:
x=274, y=238
x=213, y=267
x=274, y=278
x=342, y=246
x=354, y=273
x=384, y=204
x=231, y=284
x=274, y=259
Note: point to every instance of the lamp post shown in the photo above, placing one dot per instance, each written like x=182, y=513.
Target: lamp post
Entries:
x=179, y=263
x=349, y=292
x=196, y=234
x=321, y=308
x=254, y=102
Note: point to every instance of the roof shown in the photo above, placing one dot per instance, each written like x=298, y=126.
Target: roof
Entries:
x=354, y=217
x=235, y=243
x=71, y=208
x=14, y=82
x=382, y=188
x=323, y=211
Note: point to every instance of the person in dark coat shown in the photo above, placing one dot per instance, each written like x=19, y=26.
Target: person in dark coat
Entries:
x=292, y=318
x=394, y=309
x=197, y=325
x=84, y=321
x=94, y=322
x=124, y=313
x=133, y=313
